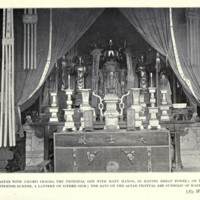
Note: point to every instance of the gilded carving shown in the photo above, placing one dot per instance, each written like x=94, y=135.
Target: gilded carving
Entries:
x=74, y=161
x=91, y=156
x=149, y=163
x=130, y=155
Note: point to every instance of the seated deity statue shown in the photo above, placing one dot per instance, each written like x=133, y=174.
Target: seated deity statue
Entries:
x=111, y=78
x=112, y=85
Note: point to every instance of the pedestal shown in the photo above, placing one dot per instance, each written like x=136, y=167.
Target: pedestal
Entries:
x=164, y=107
x=69, y=112
x=164, y=113
x=111, y=114
x=69, y=122
x=53, y=109
x=54, y=115
x=153, y=121
x=137, y=107
x=84, y=107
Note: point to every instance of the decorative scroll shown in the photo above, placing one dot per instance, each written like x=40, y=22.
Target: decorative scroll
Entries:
x=91, y=156
x=149, y=162
x=130, y=155
x=7, y=123
x=30, y=19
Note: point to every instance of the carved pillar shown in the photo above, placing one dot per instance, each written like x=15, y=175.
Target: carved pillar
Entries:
x=96, y=53
x=130, y=74
x=193, y=35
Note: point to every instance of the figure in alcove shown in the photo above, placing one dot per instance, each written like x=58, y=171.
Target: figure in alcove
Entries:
x=112, y=85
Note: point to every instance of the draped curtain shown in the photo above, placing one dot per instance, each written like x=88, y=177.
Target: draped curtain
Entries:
x=154, y=27
x=58, y=31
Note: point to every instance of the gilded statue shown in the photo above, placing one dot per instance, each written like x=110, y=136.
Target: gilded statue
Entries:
x=141, y=69
x=80, y=71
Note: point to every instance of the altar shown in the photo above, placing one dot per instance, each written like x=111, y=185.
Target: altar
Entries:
x=107, y=122
x=108, y=151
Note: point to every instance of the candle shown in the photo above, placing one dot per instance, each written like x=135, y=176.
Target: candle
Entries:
x=56, y=79
x=151, y=80
x=68, y=81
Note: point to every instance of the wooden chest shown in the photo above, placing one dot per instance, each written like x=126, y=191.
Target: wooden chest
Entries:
x=108, y=151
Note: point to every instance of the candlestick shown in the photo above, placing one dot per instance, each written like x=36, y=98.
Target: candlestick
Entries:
x=68, y=81
x=151, y=80
x=56, y=79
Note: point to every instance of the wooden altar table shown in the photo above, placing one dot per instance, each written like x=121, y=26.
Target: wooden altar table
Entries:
x=112, y=151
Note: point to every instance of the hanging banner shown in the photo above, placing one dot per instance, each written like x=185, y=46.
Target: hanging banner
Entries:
x=30, y=19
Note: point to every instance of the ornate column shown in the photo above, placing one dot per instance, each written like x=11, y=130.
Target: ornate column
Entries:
x=130, y=74
x=96, y=53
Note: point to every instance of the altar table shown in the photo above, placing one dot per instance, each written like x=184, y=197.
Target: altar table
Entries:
x=112, y=151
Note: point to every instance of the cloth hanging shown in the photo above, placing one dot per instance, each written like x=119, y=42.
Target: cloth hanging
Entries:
x=65, y=26
x=154, y=27
x=7, y=111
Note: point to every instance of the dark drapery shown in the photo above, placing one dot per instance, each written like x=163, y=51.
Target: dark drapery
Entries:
x=154, y=27
x=58, y=31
